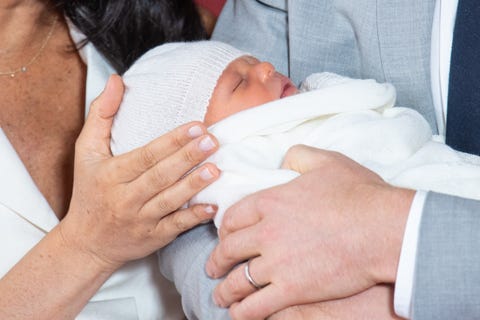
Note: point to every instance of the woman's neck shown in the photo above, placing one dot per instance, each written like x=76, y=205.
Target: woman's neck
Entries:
x=23, y=24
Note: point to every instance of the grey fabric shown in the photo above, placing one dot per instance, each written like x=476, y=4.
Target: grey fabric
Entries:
x=381, y=39
x=183, y=262
x=447, y=281
x=264, y=35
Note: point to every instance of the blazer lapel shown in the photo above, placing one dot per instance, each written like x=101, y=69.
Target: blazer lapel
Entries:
x=98, y=69
x=98, y=72
x=19, y=193
x=278, y=4
x=404, y=35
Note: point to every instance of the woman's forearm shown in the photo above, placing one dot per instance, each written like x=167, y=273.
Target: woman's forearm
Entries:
x=53, y=281
x=123, y=208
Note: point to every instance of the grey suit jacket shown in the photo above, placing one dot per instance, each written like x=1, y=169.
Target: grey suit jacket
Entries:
x=381, y=39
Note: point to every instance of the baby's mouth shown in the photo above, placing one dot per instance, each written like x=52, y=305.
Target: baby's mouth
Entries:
x=288, y=88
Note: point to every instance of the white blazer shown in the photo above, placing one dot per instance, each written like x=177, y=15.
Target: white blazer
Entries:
x=137, y=290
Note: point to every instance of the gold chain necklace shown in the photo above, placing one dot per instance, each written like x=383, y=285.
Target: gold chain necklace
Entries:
x=24, y=68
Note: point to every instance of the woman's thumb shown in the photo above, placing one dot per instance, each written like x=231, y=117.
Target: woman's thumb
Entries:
x=94, y=139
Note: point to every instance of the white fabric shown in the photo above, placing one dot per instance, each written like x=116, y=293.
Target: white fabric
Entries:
x=168, y=86
x=404, y=287
x=97, y=73
x=355, y=118
x=442, y=36
x=136, y=291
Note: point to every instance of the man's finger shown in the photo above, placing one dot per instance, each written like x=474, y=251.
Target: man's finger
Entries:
x=260, y=304
x=235, y=248
x=236, y=286
x=243, y=214
x=302, y=158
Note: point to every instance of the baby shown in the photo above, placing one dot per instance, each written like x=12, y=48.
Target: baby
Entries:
x=180, y=82
x=257, y=115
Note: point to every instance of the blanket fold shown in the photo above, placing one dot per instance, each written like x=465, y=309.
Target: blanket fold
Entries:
x=351, y=116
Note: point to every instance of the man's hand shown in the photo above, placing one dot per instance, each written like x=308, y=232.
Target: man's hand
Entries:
x=331, y=233
x=375, y=303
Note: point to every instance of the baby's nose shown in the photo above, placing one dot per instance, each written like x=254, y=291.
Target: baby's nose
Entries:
x=264, y=70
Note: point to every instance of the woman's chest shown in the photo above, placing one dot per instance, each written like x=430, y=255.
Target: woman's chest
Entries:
x=42, y=126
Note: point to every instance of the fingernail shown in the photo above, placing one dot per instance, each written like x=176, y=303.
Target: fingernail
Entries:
x=206, y=175
x=210, y=209
x=195, y=132
x=215, y=300
x=206, y=144
x=209, y=271
x=109, y=84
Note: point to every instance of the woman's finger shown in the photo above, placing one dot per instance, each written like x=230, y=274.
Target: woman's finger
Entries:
x=168, y=171
x=94, y=140
x=236, y=285
x=178, y=194
x=136, y=162
x=182, y=220
x=232, y=250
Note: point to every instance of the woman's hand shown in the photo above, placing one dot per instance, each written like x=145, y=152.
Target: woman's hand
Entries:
x=122, y=208
x=126, y=207
x=332, y=232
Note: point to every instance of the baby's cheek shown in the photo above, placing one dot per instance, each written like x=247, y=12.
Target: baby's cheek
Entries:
x=260, y=98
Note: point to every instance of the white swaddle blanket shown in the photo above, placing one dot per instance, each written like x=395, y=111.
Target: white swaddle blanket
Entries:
x=354, y=117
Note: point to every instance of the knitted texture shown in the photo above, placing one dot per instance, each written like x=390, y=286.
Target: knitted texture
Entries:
x=168, y=86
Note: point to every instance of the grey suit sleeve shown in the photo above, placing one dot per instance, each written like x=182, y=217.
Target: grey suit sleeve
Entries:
x=183, y=262
x=447, y=276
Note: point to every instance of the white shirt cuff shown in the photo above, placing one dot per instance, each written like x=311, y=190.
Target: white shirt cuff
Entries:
x=403, y=298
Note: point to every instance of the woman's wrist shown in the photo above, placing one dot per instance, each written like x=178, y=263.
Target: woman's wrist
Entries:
x=81, y=244
x=84, y=272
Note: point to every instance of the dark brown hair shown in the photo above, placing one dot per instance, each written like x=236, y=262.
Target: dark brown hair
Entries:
x=122, y=30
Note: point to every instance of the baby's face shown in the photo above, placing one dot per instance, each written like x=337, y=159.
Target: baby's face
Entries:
x=246, y=83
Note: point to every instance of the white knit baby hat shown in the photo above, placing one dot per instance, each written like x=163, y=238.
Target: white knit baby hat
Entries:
x=168, y=86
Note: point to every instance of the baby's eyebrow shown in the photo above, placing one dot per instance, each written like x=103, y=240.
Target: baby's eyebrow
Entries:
x=252, y=60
